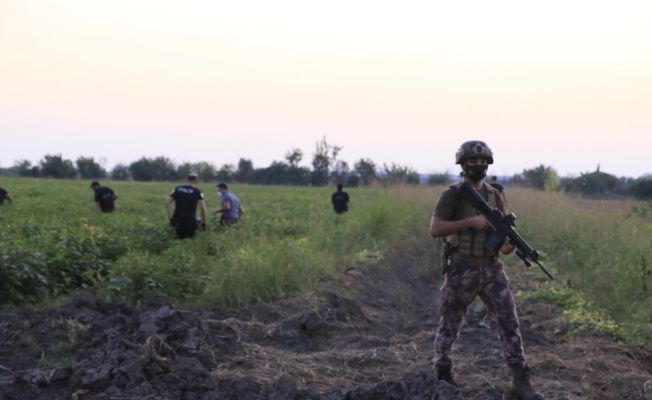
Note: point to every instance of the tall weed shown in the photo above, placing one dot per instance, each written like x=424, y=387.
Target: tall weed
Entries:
x=600, y=247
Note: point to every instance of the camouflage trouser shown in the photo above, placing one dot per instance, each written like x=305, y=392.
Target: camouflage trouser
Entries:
x=461, y=284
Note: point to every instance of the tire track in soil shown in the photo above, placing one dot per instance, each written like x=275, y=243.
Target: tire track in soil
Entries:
x=364, y=335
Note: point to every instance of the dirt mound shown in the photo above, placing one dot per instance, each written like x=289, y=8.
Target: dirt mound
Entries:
x=366, y=334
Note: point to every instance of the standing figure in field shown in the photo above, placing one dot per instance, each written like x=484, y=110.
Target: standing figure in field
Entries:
x=186, y=198
x=473, y=271
x=104, y=197
x=500, y=188
x=340, y=200
x=4, y=195
x=231, y=207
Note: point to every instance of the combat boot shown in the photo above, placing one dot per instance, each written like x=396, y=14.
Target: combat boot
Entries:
x=522, y=389
x=445, y=373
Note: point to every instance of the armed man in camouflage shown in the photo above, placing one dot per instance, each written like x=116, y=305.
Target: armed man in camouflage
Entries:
x=473, y=271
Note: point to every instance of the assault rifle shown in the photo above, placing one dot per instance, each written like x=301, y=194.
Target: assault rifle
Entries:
x=504, y=225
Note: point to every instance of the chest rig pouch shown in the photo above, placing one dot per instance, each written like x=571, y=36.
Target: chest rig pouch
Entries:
x=468, y=244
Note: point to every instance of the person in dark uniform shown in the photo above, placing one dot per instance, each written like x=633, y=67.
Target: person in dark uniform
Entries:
x=4, y=195
x=184, y=216
x=500, y=188
x=474, y=272
x=104, y=197
x=340, y=200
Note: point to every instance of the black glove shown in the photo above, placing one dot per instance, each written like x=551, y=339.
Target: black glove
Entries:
x=203, y=226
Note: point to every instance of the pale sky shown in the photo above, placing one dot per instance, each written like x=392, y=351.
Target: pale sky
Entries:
x=563, y=83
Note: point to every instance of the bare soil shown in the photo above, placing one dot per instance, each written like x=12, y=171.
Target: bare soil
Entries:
x=364, y=335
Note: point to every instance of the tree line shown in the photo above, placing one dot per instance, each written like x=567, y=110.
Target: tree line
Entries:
x=593, y=184
x=327, y=168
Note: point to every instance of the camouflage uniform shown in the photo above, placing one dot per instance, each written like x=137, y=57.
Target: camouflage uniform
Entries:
x=474, y=272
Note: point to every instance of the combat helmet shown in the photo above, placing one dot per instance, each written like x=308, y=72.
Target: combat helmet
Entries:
x=474, y=149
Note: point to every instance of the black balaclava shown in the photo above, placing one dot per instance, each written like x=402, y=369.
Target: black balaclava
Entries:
x=476, y=173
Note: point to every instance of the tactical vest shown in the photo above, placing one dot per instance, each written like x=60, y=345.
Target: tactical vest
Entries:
x=469, y=243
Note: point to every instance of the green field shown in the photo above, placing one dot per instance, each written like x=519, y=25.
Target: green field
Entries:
x=603, y=252
x=55, y=243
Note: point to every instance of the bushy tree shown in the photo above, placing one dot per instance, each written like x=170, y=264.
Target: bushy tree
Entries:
x=395, y=173
x=298, y=176
x=226, y=173
x=142, y=170
x=340, y=172
x=184, y=169
x=324, y=156
x=153, y=169
x=280, y=173
x=553, y=183
x=641, y=187
x=89, y=168
x=55, y=166
x=294, y=157
x=534, y=177
x=120, y=172
x=366, y=169
x=25, y=168
x=593, y=184
x=245, y=170
x=205, y=171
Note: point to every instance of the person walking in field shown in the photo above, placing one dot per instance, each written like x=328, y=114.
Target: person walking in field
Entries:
x=473, y=271
x=5, y=195
x=231, y=209
x=340, y=200
x=183, y=217
x=104, y=197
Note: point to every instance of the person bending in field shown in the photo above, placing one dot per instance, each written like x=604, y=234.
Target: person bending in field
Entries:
x=4, y=195
x=104, y=197
x=184, y=215
x=340, y=200
x=474, y=271
x=231, y=209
